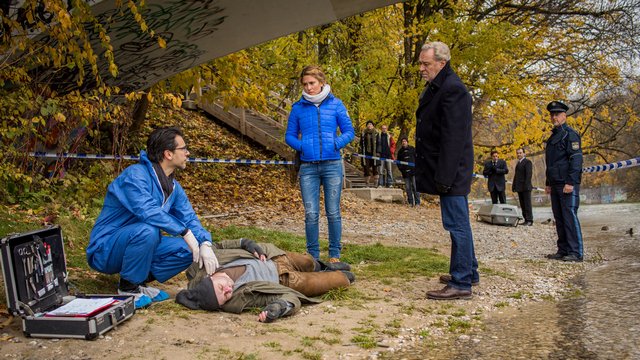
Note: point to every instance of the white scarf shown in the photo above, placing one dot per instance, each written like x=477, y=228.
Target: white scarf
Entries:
x=319, y=98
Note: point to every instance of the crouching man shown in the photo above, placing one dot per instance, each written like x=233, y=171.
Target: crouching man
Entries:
x=261, y=276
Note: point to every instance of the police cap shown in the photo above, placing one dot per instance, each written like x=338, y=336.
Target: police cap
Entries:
x=557, y=106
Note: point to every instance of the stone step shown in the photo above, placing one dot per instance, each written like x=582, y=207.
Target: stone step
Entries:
x=378, y=194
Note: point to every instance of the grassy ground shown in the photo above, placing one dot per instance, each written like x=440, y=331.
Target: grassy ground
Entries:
x=376, y=261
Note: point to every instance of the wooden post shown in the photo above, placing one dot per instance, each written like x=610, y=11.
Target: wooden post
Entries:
x=243, y=121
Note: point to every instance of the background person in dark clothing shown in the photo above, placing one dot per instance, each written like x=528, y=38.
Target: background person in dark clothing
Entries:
x=522, y=185
x=494, y=170
x=444, y=162
x=407, y=153
x=386, y=149
x=563, y=157
x=368, y=146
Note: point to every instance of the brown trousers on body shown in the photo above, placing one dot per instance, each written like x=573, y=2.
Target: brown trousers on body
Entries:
x=297, y=271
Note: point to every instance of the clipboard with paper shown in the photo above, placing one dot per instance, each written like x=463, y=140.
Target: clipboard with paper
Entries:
x=83, y=307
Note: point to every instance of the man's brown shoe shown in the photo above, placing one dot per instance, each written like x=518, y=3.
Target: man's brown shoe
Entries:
x=449, y=293
x=444, y=279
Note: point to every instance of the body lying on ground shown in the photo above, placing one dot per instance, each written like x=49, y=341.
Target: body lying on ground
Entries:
x=261, y=276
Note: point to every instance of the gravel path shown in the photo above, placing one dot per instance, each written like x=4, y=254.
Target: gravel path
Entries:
x=514, y=271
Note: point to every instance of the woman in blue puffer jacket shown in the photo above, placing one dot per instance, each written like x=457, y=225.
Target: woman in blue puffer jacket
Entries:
x=312, y=130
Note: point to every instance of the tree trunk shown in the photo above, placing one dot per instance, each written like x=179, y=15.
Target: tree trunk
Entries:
x=139, y=114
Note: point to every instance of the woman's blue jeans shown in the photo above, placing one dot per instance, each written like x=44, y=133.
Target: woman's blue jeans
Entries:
x=328, y=174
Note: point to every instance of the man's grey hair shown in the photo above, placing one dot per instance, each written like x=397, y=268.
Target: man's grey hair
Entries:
x=440, y=50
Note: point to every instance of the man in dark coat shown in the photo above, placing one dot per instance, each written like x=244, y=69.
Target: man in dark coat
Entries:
x=368, y=146
x=407, y=153
x=495, y=170
x=386, y=149
x=522, y=185
x=444, y=162
x=563, y=157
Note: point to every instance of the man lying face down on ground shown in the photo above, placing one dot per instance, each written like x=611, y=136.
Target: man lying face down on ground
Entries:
x=261, y=276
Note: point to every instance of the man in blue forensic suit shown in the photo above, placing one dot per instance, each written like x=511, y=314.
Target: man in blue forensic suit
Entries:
x=444, y=163
x=140, y=203
x=563, y=157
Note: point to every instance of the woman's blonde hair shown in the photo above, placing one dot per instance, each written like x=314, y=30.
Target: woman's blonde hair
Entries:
x=315, y=71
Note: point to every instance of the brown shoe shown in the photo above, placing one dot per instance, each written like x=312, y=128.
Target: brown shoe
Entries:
x=444, y=279
x=449, y=293
x=334, y=260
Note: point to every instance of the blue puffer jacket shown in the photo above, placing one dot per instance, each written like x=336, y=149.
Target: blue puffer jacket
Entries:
x=136, y=197
x=318, y=126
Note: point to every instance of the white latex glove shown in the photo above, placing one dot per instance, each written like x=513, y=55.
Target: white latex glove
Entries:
x=193, y=245
x=208, y=258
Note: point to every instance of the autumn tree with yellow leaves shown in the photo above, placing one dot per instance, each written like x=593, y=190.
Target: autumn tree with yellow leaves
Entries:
x=514, y=56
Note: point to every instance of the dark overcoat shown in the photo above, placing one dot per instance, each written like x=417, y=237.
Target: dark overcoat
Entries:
x=444, y=148
x=495, y=174
x=522, y=177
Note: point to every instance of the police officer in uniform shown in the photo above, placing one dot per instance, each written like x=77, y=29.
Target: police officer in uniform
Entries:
x=563, y=157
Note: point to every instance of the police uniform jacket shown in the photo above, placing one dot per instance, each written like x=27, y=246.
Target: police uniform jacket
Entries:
x=444, y=149
x=254, y=294
x=563, y=157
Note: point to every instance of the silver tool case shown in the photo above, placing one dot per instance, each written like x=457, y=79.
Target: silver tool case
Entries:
x=500, y=214
x=36, y=282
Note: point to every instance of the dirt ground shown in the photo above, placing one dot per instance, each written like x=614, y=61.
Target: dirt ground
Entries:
x=382, y=317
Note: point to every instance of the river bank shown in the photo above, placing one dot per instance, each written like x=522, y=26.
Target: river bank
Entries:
x=377, y=318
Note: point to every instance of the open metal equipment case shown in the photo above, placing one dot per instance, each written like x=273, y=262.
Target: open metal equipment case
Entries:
x=35, y=280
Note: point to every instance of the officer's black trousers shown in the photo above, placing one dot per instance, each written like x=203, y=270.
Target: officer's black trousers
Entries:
x=565, y=212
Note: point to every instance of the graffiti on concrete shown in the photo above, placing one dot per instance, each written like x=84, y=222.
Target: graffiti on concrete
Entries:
x=195, y=31
x=141, y=61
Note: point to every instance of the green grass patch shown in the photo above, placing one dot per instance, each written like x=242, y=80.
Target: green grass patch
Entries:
x=391, y=332
x=283, y=240
x=364, y=341
x=516, y=295
x=272, y=344
x=503, y=274
x=330, y=341
x=340, y=294
x=459, y=326
x=574, y=294
x=332, y=330
x=308, y=341
x=382, y=262
x=311, y=356
x=395, y=323
x=547, y=297
x=14, y=222
x=407, y=309
x=501, y=304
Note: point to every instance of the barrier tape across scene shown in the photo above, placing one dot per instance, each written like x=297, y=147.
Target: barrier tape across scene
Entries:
x=49, y=155
x=591, y=169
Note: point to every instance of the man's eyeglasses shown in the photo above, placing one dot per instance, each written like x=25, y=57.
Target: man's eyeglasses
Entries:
x=183, y=148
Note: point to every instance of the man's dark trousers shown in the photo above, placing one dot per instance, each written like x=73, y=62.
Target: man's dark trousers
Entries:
x=497, y=195
x=565, y=212
x=455, y=219
x=525, y=204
